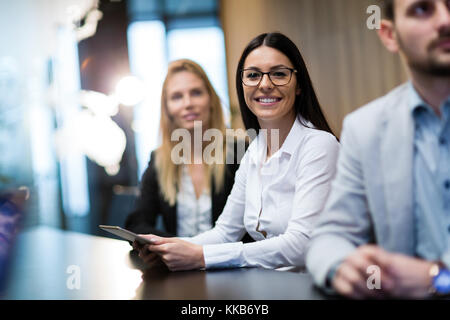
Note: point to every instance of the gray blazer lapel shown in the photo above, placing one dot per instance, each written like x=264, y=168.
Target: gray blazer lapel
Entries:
x=397, y=170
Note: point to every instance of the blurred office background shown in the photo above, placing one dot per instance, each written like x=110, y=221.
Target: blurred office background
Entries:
x=80, y=84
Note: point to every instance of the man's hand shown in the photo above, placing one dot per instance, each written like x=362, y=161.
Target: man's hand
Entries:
x=409, y=277
x=401, y=276
x=351, y=276
x=177, y=254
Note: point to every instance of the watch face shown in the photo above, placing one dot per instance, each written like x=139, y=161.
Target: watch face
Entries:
x=442, y=282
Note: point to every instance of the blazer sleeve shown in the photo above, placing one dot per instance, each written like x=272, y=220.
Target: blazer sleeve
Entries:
x=345, y=222
x=143, y=219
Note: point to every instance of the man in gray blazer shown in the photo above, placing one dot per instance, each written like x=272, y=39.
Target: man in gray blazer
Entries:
x=385, y=230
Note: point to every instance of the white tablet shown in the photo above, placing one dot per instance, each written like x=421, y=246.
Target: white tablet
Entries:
x=125, y=234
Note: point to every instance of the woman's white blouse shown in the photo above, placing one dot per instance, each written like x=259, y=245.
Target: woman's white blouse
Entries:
x=277, y=202
x=194, y=215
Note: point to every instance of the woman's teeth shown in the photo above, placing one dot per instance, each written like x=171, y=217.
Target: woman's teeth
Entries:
x=268, y=100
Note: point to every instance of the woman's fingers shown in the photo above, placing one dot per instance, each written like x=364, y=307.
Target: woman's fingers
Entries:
x=148, y=259
x=136, y=245
x=153, y=238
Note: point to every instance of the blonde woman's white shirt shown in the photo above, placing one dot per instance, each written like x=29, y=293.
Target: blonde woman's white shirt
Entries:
x=276, y=200
x=194, y=215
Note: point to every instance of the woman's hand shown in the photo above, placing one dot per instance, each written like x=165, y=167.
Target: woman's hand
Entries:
x=177, y=254
x=149, y=258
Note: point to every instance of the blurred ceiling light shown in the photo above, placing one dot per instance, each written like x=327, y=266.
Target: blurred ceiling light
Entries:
x=90, y=26
x=99, y=103
x=112, y=170
x=83, y=18
x=130, y=91
x=97, y=136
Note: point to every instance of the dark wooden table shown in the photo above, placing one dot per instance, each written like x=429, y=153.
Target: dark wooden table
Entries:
x=54, y=264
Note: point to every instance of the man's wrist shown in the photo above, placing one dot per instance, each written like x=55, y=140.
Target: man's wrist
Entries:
x=330, y=275
x=439, y=279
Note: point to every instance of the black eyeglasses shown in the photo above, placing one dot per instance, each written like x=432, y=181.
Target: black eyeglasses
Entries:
x=279, y=76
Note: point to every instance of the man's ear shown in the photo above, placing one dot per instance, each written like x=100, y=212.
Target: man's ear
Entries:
x=388, y=36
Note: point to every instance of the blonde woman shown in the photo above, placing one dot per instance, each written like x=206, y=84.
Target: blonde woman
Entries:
x=190, y=196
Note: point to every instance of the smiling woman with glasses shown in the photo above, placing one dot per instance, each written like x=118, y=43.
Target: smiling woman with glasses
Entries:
x=284, y=177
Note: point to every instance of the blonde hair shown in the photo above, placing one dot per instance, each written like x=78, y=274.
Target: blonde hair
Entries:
x=169, y=173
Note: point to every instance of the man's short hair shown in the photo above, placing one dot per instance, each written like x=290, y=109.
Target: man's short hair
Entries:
x=388, y=8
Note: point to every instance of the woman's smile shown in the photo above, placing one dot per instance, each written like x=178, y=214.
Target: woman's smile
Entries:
x=268, y=101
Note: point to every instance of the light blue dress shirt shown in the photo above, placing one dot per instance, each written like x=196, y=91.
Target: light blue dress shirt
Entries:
x=431, y=179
